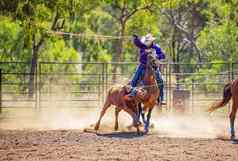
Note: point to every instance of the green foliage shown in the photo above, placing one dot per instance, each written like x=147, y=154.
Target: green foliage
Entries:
x=187, y=30
x=56, y=51
x=218, y=40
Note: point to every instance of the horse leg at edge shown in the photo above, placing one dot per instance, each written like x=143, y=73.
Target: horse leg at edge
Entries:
x=117, y=110
x=147, y=124
x=232, y=118
x=105, y=107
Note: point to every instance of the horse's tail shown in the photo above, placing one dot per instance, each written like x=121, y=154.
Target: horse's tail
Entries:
x=226, y=98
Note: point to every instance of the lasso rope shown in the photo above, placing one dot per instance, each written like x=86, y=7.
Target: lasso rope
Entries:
x=90, y=36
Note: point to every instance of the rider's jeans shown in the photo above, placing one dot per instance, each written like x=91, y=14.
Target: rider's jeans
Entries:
x=138, y=74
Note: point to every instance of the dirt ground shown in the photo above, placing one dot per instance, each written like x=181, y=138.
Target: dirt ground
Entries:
x=57, y=135
x=127, y=146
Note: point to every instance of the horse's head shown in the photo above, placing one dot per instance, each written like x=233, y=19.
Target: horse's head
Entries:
x=150, y=67
x=151, y=59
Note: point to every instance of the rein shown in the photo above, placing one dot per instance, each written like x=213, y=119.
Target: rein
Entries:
x=153, y=73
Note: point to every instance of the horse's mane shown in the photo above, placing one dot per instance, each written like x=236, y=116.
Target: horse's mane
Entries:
x=150, y=71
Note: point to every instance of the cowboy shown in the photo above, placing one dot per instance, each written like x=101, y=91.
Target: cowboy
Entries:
x=144, y=44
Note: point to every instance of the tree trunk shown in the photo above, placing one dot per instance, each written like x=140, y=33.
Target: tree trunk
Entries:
x=35, y=50
x=33, y=69
x=34, y=60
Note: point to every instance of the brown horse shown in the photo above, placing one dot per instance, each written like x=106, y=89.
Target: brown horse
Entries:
x=152, y=91
x=230, y=91
x=115, y=97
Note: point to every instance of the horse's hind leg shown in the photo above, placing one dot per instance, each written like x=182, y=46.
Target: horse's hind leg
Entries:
x=105, y=107
x=117, y=110
x=232, y=117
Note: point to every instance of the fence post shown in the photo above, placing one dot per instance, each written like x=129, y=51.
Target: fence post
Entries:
x=0, y=90
x=232, y=71
x=106, y=79
x=39, y=86
x=192, y=95
x=169, y=87
x=36, y=86
x=103, y=82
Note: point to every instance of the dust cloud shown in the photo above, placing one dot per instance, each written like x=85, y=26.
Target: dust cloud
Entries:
x=59, y=116
x=164, y=124
x=190, y=126
x=67, y=115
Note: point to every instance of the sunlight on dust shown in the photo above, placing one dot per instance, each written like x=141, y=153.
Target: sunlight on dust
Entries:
x=190, y=126
x=67, y=117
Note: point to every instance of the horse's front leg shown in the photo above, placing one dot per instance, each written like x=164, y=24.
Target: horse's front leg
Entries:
x=141, y=113
x=147, y=124
x=232, y=118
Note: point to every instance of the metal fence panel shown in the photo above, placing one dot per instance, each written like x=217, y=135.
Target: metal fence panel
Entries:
x=76, y=84
x=15, y=82
x=205, y=82
x=85, y=84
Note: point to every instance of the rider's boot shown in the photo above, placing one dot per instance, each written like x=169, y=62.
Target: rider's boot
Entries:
x=131, y=95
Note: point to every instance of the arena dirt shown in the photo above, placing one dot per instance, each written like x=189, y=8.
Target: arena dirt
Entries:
x=57, y=134
x=54, y=145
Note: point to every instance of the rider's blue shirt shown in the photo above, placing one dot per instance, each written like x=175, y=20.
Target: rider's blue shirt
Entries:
x=143, y=55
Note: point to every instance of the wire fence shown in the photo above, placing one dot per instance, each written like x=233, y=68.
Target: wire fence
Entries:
x=191, y=87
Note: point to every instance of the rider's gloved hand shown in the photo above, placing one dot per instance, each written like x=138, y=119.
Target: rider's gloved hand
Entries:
x=135, y=36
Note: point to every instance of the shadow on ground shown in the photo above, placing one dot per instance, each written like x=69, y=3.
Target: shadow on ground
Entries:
x=125, y=135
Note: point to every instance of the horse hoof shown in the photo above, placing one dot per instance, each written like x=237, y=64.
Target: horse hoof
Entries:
x=146, y=131
x=139, y=133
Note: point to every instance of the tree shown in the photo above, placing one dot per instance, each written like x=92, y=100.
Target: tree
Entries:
x=122, y=11
x=183, y=21
x=37, y=18
x=218, y=39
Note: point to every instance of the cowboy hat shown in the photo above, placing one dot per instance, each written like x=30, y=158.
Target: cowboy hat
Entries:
x=147, y=39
